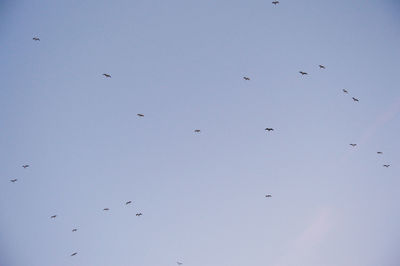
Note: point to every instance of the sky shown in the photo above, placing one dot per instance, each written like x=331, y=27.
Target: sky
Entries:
x=181, y=63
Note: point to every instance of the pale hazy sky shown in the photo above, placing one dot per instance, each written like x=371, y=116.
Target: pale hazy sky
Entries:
x=181, y=63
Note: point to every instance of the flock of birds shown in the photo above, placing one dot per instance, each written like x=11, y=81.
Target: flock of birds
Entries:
x=268, y=129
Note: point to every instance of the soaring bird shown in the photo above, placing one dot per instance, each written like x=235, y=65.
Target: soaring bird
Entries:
x=275, y=2
x=386, y=165
x=106, y=209
x=197, y=131
x=355, y=99
x=179, y=263
x=128, y=202
x=139, y=214
x=269, y=129
x=268, y=196
x=303, y=73
x=14, y=180
x=379, y=152
x=107, y=75
x=345, y=91
x=35, y=39
x=53, y=216
x=141, y=115
x=246, y=78
x=321, y=66
x=25, y=166
x=352, y=144
x=73, y=254
x=74, y=230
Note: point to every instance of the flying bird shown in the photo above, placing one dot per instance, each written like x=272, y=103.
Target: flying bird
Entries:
x=14, y=180
x=179, y=263
x=141, y=115
x=106, y=209
x=73, y=254
x=355, y=99
x=197, y=131
x=53, y=216
x=35, y=39
x=352, y=144
x=379, y=152
x=139, y=214
x=269, y=129
x=321, y=66
x=345, y=91
x=128, y=202
x=386, y=165
x=303, y=73
x=275, y=2
x=246, y=78
x=107, y=75
x=25, y=166
x=74, y=230
x=268, y=196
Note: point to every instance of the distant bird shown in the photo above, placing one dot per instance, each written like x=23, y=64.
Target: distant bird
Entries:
x=303, y=73
x=25, y=166
x=345, y=91
x=141, y=115
x=355, y=99
x=139, y=214
x=35, y=39
x=128, y=202
x=73, y=254
x=246, y=78
x=386, y=165
x=268, y=196
x=321, y=66
x=74, y=230
x=53, y=216
x=379, y=152
x=106, y=209
x=275, y=2
x=107, y=75
x=269, y=129
x=352, y=144
x=179, y=263
x=14, y=180
x=197, y=131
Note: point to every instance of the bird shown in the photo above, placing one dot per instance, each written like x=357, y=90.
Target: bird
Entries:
x=107, y=75
x=321, y=66
x=386, y=165
x=179, y=263
x=14, y=180
x=197, y=131
x=246, y=78
x=303, y=73
x=379, y=152
x=268, y=196
x=53, y=216
x=269, y=129
x=139, y=214
x=73, y=254
x=140, y=115
x=25, y=166
x=106, y=209
x=74, y=230
x=275, y=2
x=128, y=202
x=35, y=39
x=352, y=144
x=355, y=99
x=345, y=91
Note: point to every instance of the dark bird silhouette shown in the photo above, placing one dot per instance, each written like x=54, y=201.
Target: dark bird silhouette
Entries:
x=141, y=115
x=197, y=131
x=275, y=2
x=246, y=78
x=25, y=166
x=355, y=99
x=106, y=209
x=73, y=254
x=303, y=73
x=107, y=75
x=74, y=230
x=53, y=216
x=14, y=180
x=321, y=66
x=268, y=196
x=179, y=263
x=386, y=165
x=379, y=152
x=345, y=91
x=128, y=202
x=35, y=39
x=139, y=214
x=352, y=144
x=269, y=129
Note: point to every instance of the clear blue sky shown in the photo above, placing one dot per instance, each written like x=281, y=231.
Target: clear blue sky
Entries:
x=181, y=63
